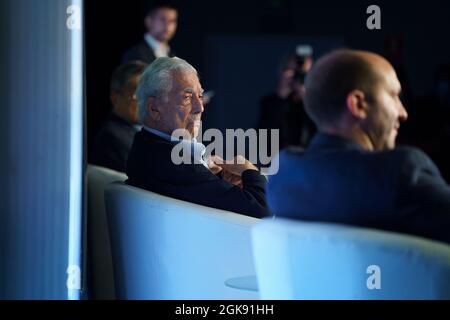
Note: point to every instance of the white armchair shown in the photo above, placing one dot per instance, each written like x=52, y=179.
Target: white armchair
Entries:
x=164, y=248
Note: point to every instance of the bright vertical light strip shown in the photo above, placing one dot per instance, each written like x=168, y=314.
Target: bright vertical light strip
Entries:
x=76, y=157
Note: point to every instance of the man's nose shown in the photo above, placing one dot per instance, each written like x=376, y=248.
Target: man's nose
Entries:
x=403, y=115
x=198, y=106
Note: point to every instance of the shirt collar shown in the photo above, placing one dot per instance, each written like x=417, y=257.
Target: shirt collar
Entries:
x=323, y=141
x=160, y=134
x=197, y=149
x=160, y=49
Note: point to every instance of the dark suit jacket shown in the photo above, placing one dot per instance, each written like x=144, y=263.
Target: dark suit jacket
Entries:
x=336, y=181
x=140, y=52
x=113, y=143
x=150, y=167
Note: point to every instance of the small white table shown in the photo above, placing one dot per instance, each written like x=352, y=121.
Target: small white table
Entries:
x=248, y=283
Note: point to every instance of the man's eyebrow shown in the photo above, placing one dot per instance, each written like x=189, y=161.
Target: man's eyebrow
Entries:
x=192, y=91
x=189, y=90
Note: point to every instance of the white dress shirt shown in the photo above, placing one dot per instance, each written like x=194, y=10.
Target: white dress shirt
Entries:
x=159, y=49
x=198, y=149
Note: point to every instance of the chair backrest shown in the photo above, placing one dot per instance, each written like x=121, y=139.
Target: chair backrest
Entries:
x=303, y=260
x=99, y=247
x=164, y=248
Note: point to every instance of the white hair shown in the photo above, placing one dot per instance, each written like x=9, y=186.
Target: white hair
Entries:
x=157, y=80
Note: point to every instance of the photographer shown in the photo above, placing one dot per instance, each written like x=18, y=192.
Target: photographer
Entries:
x=284, y=108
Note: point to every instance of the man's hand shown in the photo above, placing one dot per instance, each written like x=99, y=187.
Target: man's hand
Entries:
x=233, y=179
x=285, y=84
x=214, y=168
x=236, y=166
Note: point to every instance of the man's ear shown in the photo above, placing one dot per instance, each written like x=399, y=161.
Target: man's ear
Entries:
x=357, y=104
x=114, y=98
x=152, y=109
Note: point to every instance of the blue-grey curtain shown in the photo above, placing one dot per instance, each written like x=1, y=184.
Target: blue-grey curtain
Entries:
x=41, y=149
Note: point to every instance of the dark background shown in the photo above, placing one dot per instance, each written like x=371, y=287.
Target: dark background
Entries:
x=236, y=47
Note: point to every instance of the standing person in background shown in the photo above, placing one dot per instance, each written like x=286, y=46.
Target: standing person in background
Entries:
x=161, y=24
x=284, y=108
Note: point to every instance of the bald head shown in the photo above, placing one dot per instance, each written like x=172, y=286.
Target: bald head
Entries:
x=356, y=95
x=334, y=76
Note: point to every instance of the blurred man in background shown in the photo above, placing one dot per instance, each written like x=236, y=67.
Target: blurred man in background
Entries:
x=284, y=109
x=351, y=172
x=114, y=140
x=161, y=24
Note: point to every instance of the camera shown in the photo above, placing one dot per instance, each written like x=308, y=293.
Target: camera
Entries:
x=303, y=53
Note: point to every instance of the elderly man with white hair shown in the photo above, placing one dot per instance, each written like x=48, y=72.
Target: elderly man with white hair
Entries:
x=170, y=98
